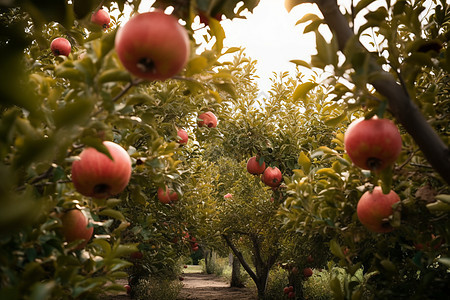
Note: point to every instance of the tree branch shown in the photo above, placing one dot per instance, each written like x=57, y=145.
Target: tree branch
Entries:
x=241, y=258
x=402, y=107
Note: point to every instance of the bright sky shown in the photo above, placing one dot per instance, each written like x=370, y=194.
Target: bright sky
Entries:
x=270, y=36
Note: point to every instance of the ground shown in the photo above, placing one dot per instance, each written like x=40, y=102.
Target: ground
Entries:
x=211, y=287
x=197, y=286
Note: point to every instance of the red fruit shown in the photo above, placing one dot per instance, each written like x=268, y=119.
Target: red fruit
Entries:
x=185, y=266
x=127, y=288
x=373, y=144
x=286, y=290
x=294, y=270
x=291, y=288
x=205, y=19
x=374, y=208
x=164, y=196
x=182, y=137
x=271, y=177
x=137, y=255
x=60, y=46
x=181, y=278
x=228, y=196
x=173, y=196
x=310, y=259
x=307, y=272
x=96, y=175
x=291, y=295
x=101, y=17
x=75, y=227
x=153, y=46
x=195, y=248
x=208, y=119
x=253, y=166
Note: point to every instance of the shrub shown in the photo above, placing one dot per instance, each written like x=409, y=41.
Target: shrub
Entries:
x=156, y=288
x=278, y=280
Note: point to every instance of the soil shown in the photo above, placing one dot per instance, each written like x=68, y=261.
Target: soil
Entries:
x=211, y=287
x=197, y=286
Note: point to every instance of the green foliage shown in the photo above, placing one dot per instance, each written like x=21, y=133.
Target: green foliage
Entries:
x=154, y=288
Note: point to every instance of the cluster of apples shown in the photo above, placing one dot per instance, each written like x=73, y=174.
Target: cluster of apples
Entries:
x=271, y=176
x=374, y=144
x=61, y=46
x=96, y=175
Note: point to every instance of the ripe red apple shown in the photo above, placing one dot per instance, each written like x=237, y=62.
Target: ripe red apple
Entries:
x=75, y=227
x=96, y=175
x=228, y=196
x=307, y=272
x=208, y=119
x=185, y=266
x=101, y=17
x=60, y=46
x=286, y=290
x=253, y=166
x=291, y=288
x=182, y=137
x=291, y=295
x=195, y=248
x=181, y=278
x=374, y=208
x=373, y=144
x=166, y=196
x=153, y=45
x=271, y=177
x=127, y=288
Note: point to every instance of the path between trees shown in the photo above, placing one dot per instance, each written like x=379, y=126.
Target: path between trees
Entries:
x=211, y=287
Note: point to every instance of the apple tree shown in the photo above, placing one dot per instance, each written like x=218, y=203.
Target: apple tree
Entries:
x=58, y=101
x=394, y=64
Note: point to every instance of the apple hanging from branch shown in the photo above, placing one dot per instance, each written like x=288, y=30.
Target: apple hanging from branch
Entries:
x=75, y=227
x=254, y=167
x=272, y=177
x=96, y=175
x=60, y=46
x=374, y=209
x=153, y=46
x=101, y=18
x=208, y=119
x=373, y=144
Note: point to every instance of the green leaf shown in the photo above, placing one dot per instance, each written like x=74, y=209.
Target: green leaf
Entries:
x=69, y=73
x=335, y=249
x=444, y=198
x=107, y=42
x=112, y=213
x=308, y=17
x=114, y=75
x=218, y=32
x=302, y=90
x=232, y=50
x=304, y=161
x=445, y=261
x=335, y=286
x=290, y=4
x=361, y=5
x=302, y=63
x=197, y=65
x=333, y=122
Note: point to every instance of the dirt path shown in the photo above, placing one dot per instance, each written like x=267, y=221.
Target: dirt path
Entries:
x=210, y=287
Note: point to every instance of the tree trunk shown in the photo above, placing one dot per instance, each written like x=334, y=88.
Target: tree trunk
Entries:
x=236, y=280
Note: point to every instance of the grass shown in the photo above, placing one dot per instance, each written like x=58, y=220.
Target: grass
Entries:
x=192, y=269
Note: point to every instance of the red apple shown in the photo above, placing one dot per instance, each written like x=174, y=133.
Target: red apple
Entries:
x=181, y=278
x=307, y=272
x=60, y=46
x=374, y=208
x=286, y=290
x=127, y=288
x=195, y=248
x=291, y=295
x=208, y=119
x=164, y=195
x=271, y=177
x=228, y=196
x=185, y=266
x=153, y=46
x=182, y=137
x=254, y=167
x=96, y=175
x=173, y=196
x=101, y=17
x=291, y=288
x=75, y=227
x=373, y=144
